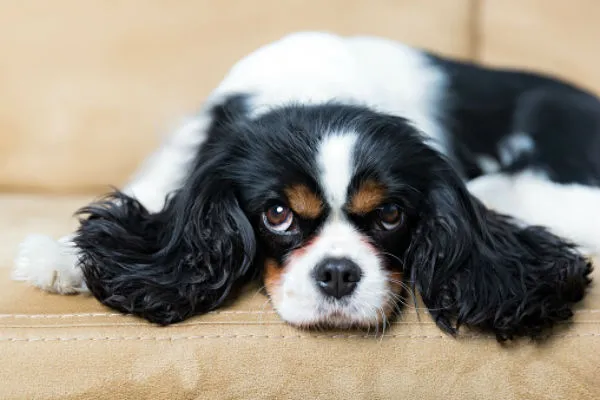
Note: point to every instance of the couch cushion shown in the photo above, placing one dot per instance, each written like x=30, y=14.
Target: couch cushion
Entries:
x=70, y=347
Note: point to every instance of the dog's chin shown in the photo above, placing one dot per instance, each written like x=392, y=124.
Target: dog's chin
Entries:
x=334, y=322
x=345, y=319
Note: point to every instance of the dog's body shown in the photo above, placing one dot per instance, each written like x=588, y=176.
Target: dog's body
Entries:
x=329, y=130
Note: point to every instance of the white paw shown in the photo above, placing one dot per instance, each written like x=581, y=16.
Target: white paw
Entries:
x=49, y=265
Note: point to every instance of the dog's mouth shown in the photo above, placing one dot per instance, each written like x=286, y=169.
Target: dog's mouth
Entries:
x=336, y=323
x=346, y=317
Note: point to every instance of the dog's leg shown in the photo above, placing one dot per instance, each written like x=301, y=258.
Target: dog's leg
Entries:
x=52, y=264
x=569, y=210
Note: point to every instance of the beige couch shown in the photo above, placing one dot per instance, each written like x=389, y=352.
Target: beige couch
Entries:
x=86, y=89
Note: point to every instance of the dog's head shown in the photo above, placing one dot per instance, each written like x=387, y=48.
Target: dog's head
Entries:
x=337, y=209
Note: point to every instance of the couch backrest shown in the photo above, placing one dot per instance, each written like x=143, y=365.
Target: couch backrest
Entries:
x=88, y=88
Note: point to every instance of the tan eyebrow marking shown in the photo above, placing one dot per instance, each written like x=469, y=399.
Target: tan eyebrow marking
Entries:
x=304, y=201
x=368, y=197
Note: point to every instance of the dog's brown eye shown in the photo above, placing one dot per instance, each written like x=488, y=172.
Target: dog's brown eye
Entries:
x=278, y=218
x=390, y=217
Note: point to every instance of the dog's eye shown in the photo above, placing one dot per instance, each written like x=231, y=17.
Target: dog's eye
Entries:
x=390, y=217
x=278, y=218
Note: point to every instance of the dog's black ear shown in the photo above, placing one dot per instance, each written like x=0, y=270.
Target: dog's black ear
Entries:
x=170, y=265
x=475, y=267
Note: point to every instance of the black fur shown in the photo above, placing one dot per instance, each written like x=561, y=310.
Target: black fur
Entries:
x=472, y=266
x=484, y=106
x=475, y=267
x=170, y=265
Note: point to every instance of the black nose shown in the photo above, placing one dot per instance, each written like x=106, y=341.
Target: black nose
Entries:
x=337, y=277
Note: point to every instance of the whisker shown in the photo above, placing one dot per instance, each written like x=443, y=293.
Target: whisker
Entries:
x=366, y=317
x=403, y=285
x=410, y=306
x=258, y=291
x=393, y=256
x=374, y=309
x=262, y=310
x=414, y=305
x=383, y=323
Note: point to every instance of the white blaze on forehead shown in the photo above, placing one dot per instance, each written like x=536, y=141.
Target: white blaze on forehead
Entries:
x=336, y=167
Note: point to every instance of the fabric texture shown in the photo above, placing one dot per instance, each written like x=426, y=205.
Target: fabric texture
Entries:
x=87, y=90
x=555, y=37
x=71, y=347
x=96, y=78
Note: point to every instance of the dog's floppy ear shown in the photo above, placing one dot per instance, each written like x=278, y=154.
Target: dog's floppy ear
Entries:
x=475, y=267
x=170, y=265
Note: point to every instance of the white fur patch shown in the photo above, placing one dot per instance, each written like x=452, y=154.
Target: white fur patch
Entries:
x=571, y=211
x=514, y=146
x=316, y=67
x=49, y=265
x=487, y=164
x=299, y=301
x=336, y=166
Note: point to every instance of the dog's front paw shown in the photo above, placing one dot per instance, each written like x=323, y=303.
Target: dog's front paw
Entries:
x=49, y=265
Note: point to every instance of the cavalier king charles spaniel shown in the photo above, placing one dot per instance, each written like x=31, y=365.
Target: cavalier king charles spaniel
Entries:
x=341, y=171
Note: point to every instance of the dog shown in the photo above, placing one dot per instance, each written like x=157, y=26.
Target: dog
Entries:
x=342, y=172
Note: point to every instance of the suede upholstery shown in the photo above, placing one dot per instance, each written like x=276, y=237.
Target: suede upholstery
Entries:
x=87, y=88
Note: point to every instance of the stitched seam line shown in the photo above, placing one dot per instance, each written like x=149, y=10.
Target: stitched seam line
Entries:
x=93, y=315
x=225, y=323
x=249, y=312
x=147, y=324
x=195, y=337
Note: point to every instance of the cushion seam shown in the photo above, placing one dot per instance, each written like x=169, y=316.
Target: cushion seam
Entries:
x=225, y=323
x=94, y=315
x=197, y=337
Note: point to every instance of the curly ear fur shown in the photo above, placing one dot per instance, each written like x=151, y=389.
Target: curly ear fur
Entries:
x=167, y=266
x=475, y=267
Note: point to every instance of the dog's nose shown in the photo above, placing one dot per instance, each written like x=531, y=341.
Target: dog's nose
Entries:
x=337, y=277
